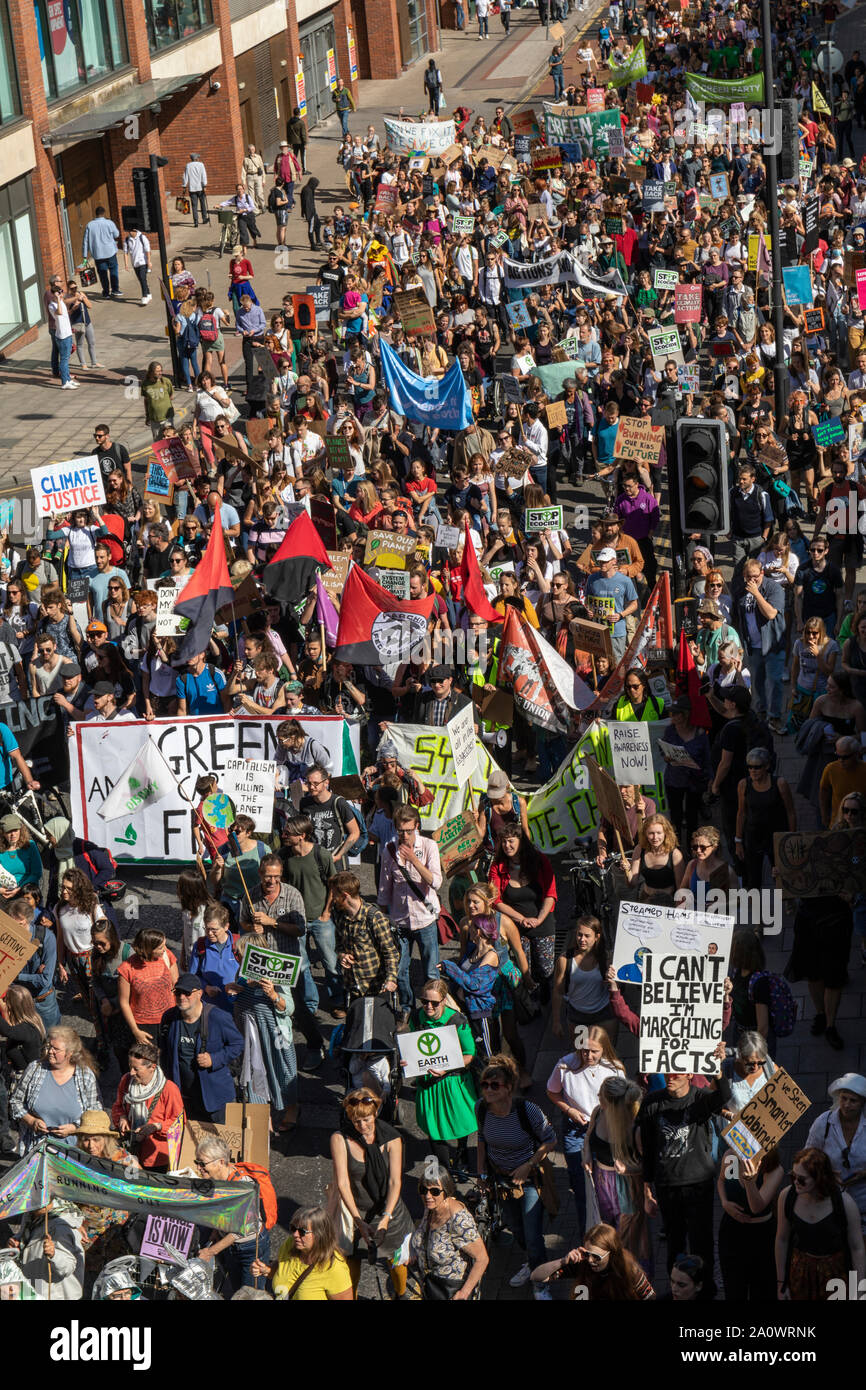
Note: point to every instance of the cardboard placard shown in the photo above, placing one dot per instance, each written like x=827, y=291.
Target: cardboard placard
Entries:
x=245, y=1133
x=350, y=786
x=457, y=839
x=450, y=155
x=414, y=312
x=337, y=446
x=638, y=438
x=664, y=346
x=611, y=806
x=462, y=226
x=514, y=462
x=448, y=537
x=335, y=578
x=494, y=706
x=829, y=861
x=257, y=430
x=168, y=623
x=555, y=415
x=174, y=460
x=160, y=1231
x=250, y=784
x=614, y=226
x=247, y=600
x=829, y=432
x=665, y=279
x=395, y=581
x=688, y=300
x=765, y=1120
x=631, y=752
x=16, y=948
x=388, y=549
x=591, y=637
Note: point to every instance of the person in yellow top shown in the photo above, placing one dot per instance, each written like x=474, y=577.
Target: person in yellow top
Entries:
x=510, y=595
x=309, y=1268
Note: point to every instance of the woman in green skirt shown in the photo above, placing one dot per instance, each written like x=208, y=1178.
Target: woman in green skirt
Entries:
x=445, y=1100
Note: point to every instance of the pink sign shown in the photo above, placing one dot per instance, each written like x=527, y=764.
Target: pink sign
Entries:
x=687, y=303
x=595, y=98
x=166, y=1230
x=860, y=279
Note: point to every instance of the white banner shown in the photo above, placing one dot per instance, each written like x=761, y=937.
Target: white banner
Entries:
x=68, y=487
x=553, y=270
x=431, y=136
x=464, y=749
x=609, y=286
x=427, y=752
x=163, y=833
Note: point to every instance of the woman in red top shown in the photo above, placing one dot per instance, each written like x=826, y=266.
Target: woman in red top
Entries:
x=240, y=275
x=146, y=1106
x=366, y=506
x=526, y=892
x=146, y=984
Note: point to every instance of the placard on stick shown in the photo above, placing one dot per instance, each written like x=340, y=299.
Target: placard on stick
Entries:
x=765, y=1120
x=414, y=312
x=591, y=637
x=16, y=948
x=611, y=806
x=828, y=862
x=335, y=578
x=457, y=839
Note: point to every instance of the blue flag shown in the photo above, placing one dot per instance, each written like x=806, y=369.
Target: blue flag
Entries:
x=443, y=403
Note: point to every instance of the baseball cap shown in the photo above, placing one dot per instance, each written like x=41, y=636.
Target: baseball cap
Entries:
x=10, y=823
x=497, y=784
x=606, y=554
x=69, y=669
x=709, y=606
x=96, y=627
x=188, y=984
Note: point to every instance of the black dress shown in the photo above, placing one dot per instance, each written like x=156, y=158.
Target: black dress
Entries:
x=822, y=941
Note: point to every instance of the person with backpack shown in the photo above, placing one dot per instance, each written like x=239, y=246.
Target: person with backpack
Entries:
x=765, y=806
x=760, y=1001
x=758, y=613
x=818, y=1234
x=202, y=689
x=337, y=828
x=213, y=1161
x=411, y=876
x=433, y=85
x=741, y=731
x=214, y=958
x=309, y=868
x=198, y=1040
x=751, y=516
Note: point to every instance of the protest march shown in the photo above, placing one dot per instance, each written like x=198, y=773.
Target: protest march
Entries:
x=432, y=781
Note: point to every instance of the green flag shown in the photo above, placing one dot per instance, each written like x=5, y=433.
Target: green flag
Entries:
x=350, y=765
x=633, y=70
x=718, y=89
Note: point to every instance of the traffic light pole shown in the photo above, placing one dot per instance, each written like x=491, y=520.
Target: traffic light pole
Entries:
x=155, y=162
x=780, y=371
x=678, y=546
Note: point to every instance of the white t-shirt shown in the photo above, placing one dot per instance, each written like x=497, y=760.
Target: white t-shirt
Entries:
x=60, y=314
x=75, y=927
x=579, y=1088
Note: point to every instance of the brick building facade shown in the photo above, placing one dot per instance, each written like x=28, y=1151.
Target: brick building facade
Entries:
x=88, y=94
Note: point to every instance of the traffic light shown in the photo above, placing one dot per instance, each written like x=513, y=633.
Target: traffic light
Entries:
x=702, y=474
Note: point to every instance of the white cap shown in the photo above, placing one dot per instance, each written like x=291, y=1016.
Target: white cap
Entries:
x=605, y=556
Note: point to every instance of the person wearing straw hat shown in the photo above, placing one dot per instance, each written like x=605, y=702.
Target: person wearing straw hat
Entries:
x=101, y=1227
x=840, y=1133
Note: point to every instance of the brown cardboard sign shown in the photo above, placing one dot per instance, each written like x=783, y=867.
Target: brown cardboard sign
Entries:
x=457, y=839
x=247, y=600
x=414, y=312
x=494, y=706
x=765, y=1120
x=16, y=948
x=514, y=463
x=611, y=806
x=592, y=637
x=829, y=862
x=556, y=415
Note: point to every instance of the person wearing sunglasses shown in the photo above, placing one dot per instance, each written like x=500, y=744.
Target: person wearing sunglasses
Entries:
x=840, y=1133
x=602, y=1270
x=514, y=1138
x=309, y=1267
x=765, y=806
x=447, y=1256
x=445, y=1100
x=367, y=1155
x=818, y=1233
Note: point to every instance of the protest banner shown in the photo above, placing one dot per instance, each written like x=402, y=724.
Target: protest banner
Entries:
x=427, y=752
x=683, y=970
x=631, y=751
x=688, y=300
x=565, y=809
x=53, y=1171
x=414, y=312
x=457, y=839
x=174, y=460
x=829, y=432
x=718, y=91
x=324, y=517
x=764, y=1120
x=639, y=439
x=169, y=623
x=259, y=963
x=591, y=637
x=160, y=1231
x=36, y=724
x=665, y=345
x=547, y=690
x=513, y=463
x=665, y=279
x=643, y=926
x=448, y=537
x=461, y=732
x=72, y=486
x=431, y=137
x=395, y=581
x=250, y=783
x=528, y=275
x=537, y=519
x=590, y=127
x=608, y=796
x=163, y=832
x=388, y=549
x=431, y=1048
x=16, y=948
x=158, y=487
x=827, y=862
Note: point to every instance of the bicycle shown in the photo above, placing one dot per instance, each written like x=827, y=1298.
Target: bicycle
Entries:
x=29, y=807
x=591, y=886
x=228, y=228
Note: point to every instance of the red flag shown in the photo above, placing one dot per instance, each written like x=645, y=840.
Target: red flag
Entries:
x=688, y=686
x=209, y=588
x=474, y=596
x=290, y=575
x=377, y=629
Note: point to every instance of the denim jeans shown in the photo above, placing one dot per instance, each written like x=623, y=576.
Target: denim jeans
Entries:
x=106, y=269
x=482, y=26
x=573, y=1137
x=64, y=352
x=558, y=85
x=49, y=1010
x=525, y=1216
x=344, y=121
x=538, y=474
x=766, y=671
x=236, y=1260
x=459, y=15
x=55, y=355
x=428, y=945
x=324, y=933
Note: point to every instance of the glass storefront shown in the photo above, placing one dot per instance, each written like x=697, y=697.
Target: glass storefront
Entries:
x=80, y=41
x=417, y=28
x=20, y=298
x=10, y=99
x=169, y=21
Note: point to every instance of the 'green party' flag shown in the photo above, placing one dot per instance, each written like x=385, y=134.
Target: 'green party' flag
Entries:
x=633, y=70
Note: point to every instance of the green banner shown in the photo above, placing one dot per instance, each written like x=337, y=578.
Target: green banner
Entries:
x=96, y=1182
x=633, y=70
x=569, y=126
x=718, y=90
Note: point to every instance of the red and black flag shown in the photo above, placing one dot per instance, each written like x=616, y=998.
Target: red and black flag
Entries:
x=209, y=588
x=291, y=574
x=377, y=629
x=474, y=596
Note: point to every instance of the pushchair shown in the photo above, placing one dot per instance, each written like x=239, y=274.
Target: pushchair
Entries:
x=367, y=1049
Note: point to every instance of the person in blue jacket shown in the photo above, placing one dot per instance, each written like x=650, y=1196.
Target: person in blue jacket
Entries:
x=197, y=1043
x=215, y=960
x=475, y=977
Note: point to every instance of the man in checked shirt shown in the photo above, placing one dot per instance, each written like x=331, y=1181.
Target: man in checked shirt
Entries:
x=367, y=948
